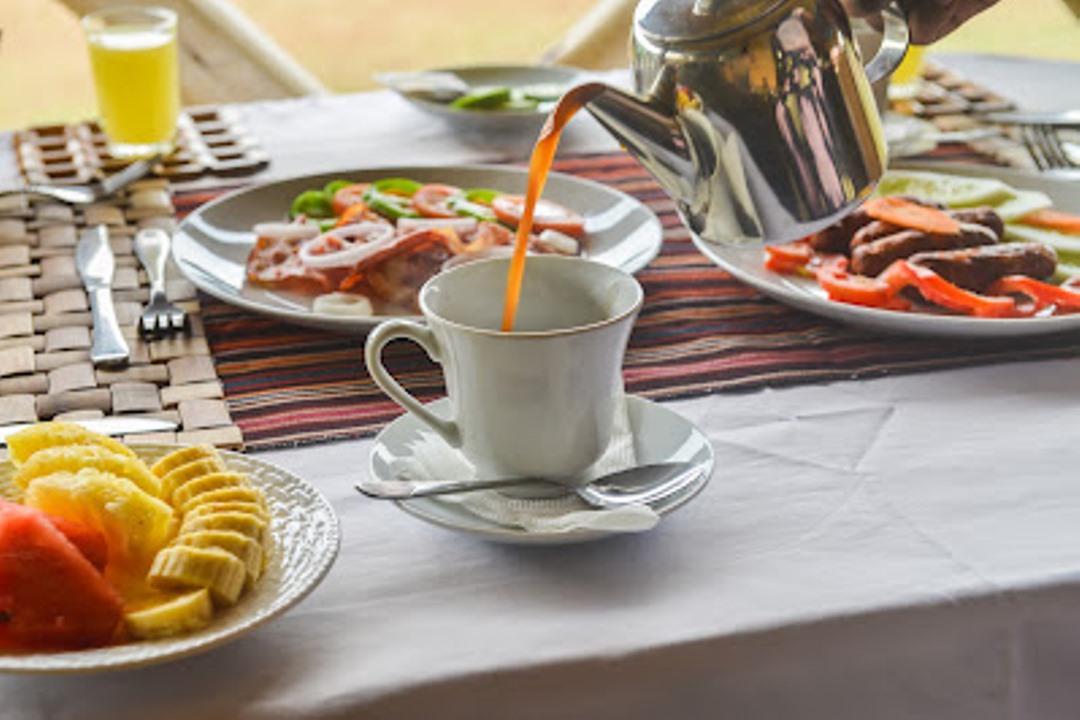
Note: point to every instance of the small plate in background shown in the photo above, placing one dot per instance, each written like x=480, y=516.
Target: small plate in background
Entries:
x=433, y=91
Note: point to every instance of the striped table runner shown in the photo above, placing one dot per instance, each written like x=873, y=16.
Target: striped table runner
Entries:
x=700, y=332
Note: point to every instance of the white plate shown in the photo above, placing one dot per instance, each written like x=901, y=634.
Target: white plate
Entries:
x=660, y=435
x=747, y=263
x=212, y=244
x=305, y=535
x=526, y=121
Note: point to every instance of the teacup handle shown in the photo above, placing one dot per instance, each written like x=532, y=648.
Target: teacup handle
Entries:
x=895, y=38
x=425, y=338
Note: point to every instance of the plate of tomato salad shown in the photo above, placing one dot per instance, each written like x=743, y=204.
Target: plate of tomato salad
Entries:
x=213, y=244
x=825, y=285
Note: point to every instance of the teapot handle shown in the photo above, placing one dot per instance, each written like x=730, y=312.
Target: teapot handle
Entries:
x=895, y=39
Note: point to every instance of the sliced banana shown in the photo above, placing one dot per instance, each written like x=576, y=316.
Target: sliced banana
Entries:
x=225, y=495
x=213, y=508
x=244, y=548
x=243, y=523
x=182, y=566
x=183, y=456
x=208, y=483
x=187, y=472
x=181, y=614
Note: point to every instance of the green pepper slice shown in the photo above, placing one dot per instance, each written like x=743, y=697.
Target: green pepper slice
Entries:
x=334, y=185
x=313, y=204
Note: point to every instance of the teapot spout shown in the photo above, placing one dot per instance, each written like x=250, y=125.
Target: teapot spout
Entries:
x=695, y=158
x=645, y=127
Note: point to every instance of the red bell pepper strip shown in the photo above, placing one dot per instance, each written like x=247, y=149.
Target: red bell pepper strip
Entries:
x=788, y=258
x=940, y=291
x=1063, y=300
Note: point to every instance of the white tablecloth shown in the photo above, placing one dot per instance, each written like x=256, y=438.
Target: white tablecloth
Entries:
x=905, y=547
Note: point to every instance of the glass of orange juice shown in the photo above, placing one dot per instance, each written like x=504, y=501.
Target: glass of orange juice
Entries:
x=905, y=79
x=134, y=62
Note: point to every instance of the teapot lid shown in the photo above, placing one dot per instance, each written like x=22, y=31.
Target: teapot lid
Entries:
x=668, y=22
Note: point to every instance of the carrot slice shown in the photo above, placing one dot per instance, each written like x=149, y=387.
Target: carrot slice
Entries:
x=907, y=214
x=1053, y=220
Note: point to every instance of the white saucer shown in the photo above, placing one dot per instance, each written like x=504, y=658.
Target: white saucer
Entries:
x=660, y=435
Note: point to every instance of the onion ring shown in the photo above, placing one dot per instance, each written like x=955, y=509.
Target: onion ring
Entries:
x=355, y=241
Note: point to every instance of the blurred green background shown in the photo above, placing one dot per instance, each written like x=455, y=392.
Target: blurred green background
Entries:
x=45, y=77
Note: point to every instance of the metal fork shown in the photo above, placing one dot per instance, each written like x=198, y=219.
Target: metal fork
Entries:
x=1045, y=147
x=94, y=191
x=161, y=317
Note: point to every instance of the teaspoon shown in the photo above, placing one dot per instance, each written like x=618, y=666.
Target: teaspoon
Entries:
x=639, y=484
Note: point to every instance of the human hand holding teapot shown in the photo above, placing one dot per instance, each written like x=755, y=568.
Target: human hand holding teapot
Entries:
x=929, y=20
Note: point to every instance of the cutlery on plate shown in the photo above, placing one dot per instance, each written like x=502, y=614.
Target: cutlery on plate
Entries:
x=93, y=191
x=160, y=318
x=95, y=263
x=105, y=426
x=639, y=484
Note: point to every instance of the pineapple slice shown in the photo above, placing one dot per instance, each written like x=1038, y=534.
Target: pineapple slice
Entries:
x=23, y=444
x=72, y=458
x=135, y=524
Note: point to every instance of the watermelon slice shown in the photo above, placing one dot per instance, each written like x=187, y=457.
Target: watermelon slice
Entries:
x=89, y=541
x=51, y=596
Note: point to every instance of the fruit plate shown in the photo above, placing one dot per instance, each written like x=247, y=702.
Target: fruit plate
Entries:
x=306, y=536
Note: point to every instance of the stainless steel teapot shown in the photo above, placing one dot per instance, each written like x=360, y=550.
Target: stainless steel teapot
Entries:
x=755, y=115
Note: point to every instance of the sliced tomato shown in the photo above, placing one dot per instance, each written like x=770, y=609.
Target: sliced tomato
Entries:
x=348, y=196
x=1063, y=299
x=547, y=215
x=908, y=214
x=788, y=258
x=432, y=200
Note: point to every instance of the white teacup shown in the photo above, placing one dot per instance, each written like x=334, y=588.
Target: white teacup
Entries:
x=535, y=402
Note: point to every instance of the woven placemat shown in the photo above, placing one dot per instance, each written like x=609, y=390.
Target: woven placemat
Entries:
x=210, y=141
x=45, y=368
x=955, y=104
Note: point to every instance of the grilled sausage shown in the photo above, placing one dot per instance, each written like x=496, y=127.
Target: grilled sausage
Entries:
x=872, y=258
x=977, y=268
x=837, y=237
x=984, y=215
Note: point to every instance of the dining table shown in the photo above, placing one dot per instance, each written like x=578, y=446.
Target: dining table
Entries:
x=891, y=528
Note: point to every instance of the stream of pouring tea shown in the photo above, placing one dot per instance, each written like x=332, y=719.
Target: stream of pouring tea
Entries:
x=539, y=165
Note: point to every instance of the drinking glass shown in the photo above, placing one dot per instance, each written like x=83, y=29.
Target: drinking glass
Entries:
x=134, y=61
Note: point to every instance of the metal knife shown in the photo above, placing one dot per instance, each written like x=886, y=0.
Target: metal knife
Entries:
x=1065, y=118
x=95, y=263
x=105, y=426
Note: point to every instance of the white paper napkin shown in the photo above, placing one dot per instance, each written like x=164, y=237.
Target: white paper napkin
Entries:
x=430, y=458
